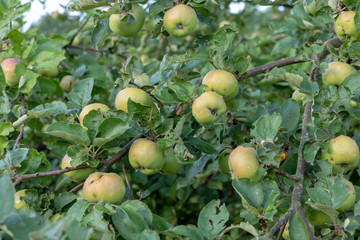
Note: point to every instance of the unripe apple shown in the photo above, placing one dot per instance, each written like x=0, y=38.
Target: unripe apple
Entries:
x=77, y=175
x=310, y=7
x=224, y=161
x=208, y=108
x=135, y=94
x=180, y=21
x=336, y=73
x=95, y=106
x=107, y=186
x=66, y=83
x=350, y=201
x=223, y=23
x=222, y=82
x=343, y=153
x=319, y=219
x=146, y=156
x=121, y=25
x=298, y=96
x=353, y=104
x=171, y=165
x=8, y=67
x=18, y=202
x=55, y=217
x=50, y=72
x=345, y=26
x=243, y=163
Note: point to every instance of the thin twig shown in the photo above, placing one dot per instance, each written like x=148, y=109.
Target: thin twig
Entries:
x=289, y=176
x=281, y=231
x=77, y=32
x=127, y=180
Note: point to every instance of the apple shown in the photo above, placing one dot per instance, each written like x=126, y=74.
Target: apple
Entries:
x=353, y=104
x=350, y=201
x=319, y=219
x=221, y=82
x=66, y=83
x=106, y=186
x=345, y=26
x=223, y=23
x=171, y=165
x=336, y=73
x=310, y=7
x=243, y=163
x=122, y=26
x=49, y=72
x=18, y=202
x=208, y=108
x=146, y=156
x=77, y=175
x=298, y=96
x=342, y=152
x=180, y=21
x=135, y=94
x=224, y=161
x=55, y=217
x=8, y=66
x=95, y=106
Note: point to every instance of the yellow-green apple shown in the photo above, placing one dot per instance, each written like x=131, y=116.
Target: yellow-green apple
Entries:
x=336, y=73
x=345, y=27
x=180, y=21
x=342, y=152
x=49, y=72
x=298, y=96
x=208, y=108
x=310, y=6
x=146, y=156
x=223, y=23
x=125, y=27
x=350, y=201
x=106, y=186
x=353, y=104
x=319, y=218
x=224, y=161
x=95, y=106
x=171, y=165
x=222, y=82
x=66, y=83
x=18, y=202
x=77, y=175
x=243, y=163
x=55, y=217
x=8, y=66
x=135, y=94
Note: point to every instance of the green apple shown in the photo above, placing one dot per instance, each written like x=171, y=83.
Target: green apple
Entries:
x=350, y=201
x=122, y=26
x=342, y=152
x=223, y=23
x=180, y=21
x=298, y=96
x=171, y=165
x=8, y=66
x=95, y=106
x=49, y=72
x=222, y=82
x=208, y=108
x=224, y=161
x=243, y=163
x=336, y=73
x=345, y=26
x=146, y=156
x=106, y=186
x=135, y=94
x=310, y=6
x=66, y=83
x=353, y=104
x=18, y=202
x=55, y=217
x=77, y=175
x=319, y=219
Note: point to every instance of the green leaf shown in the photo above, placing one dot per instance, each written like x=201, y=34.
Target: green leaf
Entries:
x=47, y=110
x=271, y=192
x=80, y=93
x=49, y=59
x=7, y=192
x=250, y=190
x=290, y=115
x=189, y=231
x=148, y=234
x=201, y=145
x=142, y=208
x=71, y=132
x=266, y=127
x=160, y=224
x=78, y=209
x=16, y=38
x=28, y=81
x=21, y=225
x=4, y=104
x=297, y=228
x=92, y=121
x=99, y=32
x=6, y=128
x=64, y=199
x=15, y=157
x=159, y=6
x=110, y=129
x=35, y=162
x=2, y=80
x=212, y=219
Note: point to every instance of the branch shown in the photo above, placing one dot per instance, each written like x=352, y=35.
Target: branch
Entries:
x=77, y=32
x=289, y=176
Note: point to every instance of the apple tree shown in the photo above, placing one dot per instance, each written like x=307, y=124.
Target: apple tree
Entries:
x=181, y=120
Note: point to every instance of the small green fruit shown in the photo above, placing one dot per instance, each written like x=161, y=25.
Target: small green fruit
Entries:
x=18, y=202
x=221, y=82
x=319, y=219
x=336, y=73
x=243, y=163
x=208, y=108
x=123, y=27
x=345, y=27
x=55, y=217
x=50, y=72
x=77, y=175
x=135, y=94
x=180, y=21
x=95, y=106
x=66, y=83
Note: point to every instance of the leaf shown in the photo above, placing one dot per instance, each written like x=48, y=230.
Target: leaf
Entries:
x=6, y=128
x=110, y=129
x=64, y=199
x=160, y=224
x=47, y=110
x=80, y=93
x=78, y=209
x=266, y=127
x=148, y=234
x=290, y=114
x=189, y=231
x=142, y=208
x=71, y=132
x=15, y=157
x=212, y=219
x=250, y=190
x=49, y=59
x=16, y=38
x=159, y=6
x=99, y=32
x=201, y=145
x=297, y=228
x=22, y=225
x=7, y=192
x=271, y=192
